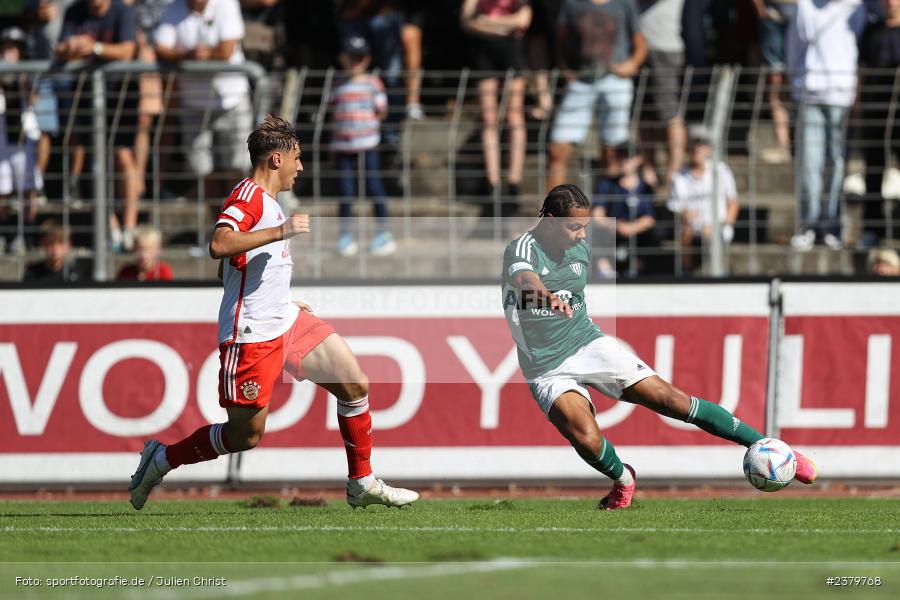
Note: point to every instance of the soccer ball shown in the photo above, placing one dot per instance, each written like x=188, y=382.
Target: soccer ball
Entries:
x=769, y=465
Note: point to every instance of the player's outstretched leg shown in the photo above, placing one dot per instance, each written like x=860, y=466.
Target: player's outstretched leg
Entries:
x=571, y=414
x=243, y=431
x=332, y=365
x=664, y=398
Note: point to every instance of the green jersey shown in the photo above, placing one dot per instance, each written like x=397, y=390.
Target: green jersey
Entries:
x=544, y=338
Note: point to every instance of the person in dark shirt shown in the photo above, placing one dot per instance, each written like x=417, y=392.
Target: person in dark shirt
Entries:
x=56, y=265
x=624, y=205
x=879, y=50
x=106, y=31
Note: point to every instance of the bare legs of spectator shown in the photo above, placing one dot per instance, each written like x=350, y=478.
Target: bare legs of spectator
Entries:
x=781, y=153
x=127, y=166
x=490, y=138
x=411, y=36
x=676, y=136
x=43, y=153
x=537, y=53
x=559, y=153
x=76, y=168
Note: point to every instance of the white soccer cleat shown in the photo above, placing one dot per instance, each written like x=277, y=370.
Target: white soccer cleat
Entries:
x=147, y=475
x=382, y=493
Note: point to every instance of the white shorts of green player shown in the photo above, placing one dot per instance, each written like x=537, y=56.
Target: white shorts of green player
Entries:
x=604, y=364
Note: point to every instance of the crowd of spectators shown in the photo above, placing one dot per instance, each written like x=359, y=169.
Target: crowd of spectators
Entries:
x=811, y=49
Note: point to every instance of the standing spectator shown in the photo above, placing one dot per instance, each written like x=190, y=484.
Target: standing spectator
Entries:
x=496, y=28
x=380, y=23
x=57, y=265
x=884, y=262
x=413, y=14
x=19, y=136
x=43, y=19
x=358, y=105
x=774, y=17
x=147, y=265
x=691, y=195
x=625, y=204
x=106, y=31
x=149, y=15
x=540, y=43
x=600, y=49
x=216, y=113
x=822, y=59
x=880, y=50
x=661, y=26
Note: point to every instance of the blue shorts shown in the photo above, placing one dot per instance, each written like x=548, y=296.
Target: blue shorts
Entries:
x=47, y=108
x=612, y=96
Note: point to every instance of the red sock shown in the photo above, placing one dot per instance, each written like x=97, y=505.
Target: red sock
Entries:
x=207, y=443
x=357, y=434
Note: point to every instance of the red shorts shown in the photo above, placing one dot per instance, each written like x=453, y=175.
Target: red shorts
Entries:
x=248, y=372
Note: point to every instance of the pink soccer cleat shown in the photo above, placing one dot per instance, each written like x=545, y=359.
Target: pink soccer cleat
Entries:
x=806, y=469
x=620, y=496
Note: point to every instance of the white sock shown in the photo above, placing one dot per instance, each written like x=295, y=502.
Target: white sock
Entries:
x=626, y=478
x=160, y=461
x=360, y=484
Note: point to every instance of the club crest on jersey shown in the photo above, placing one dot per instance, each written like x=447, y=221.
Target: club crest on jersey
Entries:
x=578, y=268
x=250, y=390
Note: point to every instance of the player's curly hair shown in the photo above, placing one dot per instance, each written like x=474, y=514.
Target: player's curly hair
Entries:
x=273, y=134
x=562, y=199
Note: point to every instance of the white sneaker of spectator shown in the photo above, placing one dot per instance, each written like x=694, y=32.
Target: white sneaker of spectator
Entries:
x=415, y=111
x=804, y=240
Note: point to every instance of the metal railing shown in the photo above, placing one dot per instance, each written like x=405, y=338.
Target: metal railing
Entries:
x=435, y=172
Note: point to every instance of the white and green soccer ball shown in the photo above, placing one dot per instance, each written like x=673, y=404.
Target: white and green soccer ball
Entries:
x=769, y=465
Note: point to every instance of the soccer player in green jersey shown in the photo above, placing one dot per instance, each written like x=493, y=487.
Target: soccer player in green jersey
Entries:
x=562, y=352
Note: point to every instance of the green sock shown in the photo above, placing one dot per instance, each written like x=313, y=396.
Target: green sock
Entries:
x=714, y=419
x=607, y=462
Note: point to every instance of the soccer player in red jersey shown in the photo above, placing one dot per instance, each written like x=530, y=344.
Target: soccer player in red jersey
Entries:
x=262, y=333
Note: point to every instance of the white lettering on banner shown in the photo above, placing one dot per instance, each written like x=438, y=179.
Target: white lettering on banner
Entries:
x=31, y=418
x=878, y=381
x=412, y=380
x=296, y=407
x=731, y=373
x=788, y=410
x=490, y=383
x=174, y=398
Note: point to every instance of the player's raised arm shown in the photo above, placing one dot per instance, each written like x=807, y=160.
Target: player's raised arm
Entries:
x=533, y=292
x=227, y=242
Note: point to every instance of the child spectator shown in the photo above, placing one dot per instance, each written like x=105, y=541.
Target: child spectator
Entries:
x=884, y=262
x=57, y=265
x=358, y=105
x=147, y=265
x=624, y=204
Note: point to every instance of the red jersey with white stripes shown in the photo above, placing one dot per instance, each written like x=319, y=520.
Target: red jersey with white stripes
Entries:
x=256, y=305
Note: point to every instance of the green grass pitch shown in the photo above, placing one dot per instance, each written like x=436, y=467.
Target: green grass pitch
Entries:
x=759, y=547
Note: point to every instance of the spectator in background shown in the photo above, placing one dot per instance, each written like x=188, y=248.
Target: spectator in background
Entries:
x=496, y=28
x=216, y=112
x=358, y=103
x=147, y=265
x=879, y=50
x=884, y=262
x=822, y=60
x=661, y=26
x=624, y=204
x=380, y=23
x=774, y=17
x=540, y=42
x=264, y=37
x=600, y=48
x=149, y=15
x=691, y=196
x=19, y=137
x=43, y=20
x=57, y=265
x=106, y=31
